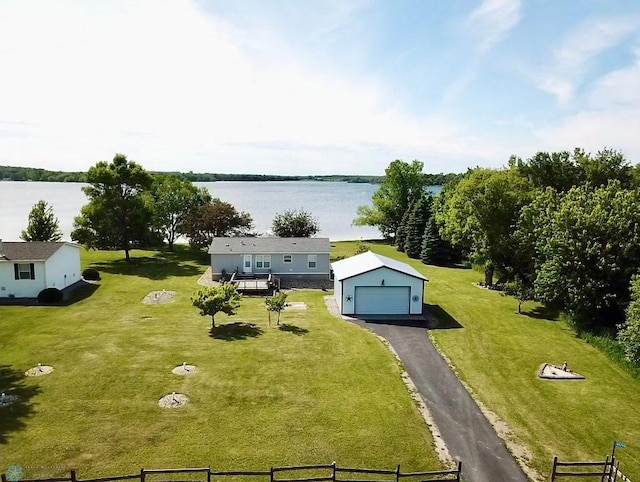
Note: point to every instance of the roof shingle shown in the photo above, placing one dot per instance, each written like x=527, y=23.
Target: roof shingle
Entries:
x=29, y=251
x=269, y=245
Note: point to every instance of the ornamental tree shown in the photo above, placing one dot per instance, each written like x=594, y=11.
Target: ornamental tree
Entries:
x=295, y=224
x=211, y=300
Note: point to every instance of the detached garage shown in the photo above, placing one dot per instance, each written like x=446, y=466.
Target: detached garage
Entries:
x=371, y=284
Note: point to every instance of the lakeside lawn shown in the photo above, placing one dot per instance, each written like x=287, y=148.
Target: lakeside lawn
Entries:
x=497, y=353
x=317, y=390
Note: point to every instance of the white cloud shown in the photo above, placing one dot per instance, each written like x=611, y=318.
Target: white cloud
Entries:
x=163, y=82
x=577, y=52
x=492, y=21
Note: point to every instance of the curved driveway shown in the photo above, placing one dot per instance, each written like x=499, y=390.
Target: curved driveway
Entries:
x=465, y=430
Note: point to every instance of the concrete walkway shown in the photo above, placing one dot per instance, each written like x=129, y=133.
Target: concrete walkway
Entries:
x=465, y=430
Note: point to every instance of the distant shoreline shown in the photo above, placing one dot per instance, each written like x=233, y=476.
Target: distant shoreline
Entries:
x=15, y=173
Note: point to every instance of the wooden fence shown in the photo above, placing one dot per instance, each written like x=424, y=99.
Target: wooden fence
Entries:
x=607, y=470
x=328, y=472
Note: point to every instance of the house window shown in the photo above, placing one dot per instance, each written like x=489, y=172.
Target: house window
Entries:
x=24, y=271
x=263, y=261
x=312, y=261
x=287, y=258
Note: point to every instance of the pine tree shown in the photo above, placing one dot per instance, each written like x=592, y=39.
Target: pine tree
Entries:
x=416, y=225
x=43, y=224
x=401, y=233
x=434, y=248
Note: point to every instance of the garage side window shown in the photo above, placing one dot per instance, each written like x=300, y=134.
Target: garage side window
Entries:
x=24, y=271
x=312, y=261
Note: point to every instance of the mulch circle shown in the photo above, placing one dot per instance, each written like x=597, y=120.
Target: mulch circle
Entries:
x=173, y=400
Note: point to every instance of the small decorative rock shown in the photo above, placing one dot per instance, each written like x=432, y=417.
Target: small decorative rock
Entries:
x=6, y=399
x=159, y=297
x=39, y=370
x=173, y=400
x=184, y=369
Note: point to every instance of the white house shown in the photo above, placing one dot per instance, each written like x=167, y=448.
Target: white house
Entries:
x=371, y=284
x=26, y=268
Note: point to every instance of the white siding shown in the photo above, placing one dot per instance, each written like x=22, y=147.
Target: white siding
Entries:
x=22, y=288
x=374, y=278
x=63, y=267
x=337, y=293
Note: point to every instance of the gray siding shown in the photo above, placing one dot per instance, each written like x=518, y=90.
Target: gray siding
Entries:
x=298, y=267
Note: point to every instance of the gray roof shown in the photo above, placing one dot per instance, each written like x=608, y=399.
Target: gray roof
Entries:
x=365, y=262
x=269, y=245
x=29, y=251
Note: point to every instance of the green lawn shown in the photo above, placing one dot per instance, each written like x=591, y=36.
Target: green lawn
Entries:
x=318, y=391
x=497, y=352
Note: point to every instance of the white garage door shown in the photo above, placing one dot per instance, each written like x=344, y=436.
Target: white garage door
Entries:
x=382, y=300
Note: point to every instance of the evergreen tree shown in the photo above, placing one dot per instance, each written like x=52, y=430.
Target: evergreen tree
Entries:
x=401, y=233
x=434, y=248
x=43, y=224
x=416, y=225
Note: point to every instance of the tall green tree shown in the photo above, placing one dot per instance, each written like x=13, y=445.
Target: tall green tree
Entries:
x=589, y=254
x=43, y=224
x=214, y=219
x=116, y=216
x=403, y=183
x=173, y=199
x=401, y=232
x=480, y=215
x=295, y=224
x=211, y=300
x=629, y=335
x=434, y=248
x=416, y=225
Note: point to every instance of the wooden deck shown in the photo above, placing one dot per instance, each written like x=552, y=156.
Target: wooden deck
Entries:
x=252, y=285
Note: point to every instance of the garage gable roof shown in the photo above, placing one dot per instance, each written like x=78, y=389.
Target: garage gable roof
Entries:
x=365, y=262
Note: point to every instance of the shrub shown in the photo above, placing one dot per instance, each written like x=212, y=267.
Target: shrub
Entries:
x=91, y=274
x=50, y=295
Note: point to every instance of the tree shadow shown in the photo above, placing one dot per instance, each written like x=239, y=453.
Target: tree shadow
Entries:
x=13, y=416
x=235, y=331
x=296, y=330
x=439, y=319
x=160, y=266
x=549, y=313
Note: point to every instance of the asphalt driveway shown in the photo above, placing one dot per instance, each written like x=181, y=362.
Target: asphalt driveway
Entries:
x=465, y=430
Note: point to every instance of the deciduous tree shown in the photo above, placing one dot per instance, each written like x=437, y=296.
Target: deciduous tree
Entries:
x=213, y=219
x=116, y=216
x=403, y=184
x=295, y=224
x=211, y=300
x=629, y=335
x=43, y=224
x=276, y=303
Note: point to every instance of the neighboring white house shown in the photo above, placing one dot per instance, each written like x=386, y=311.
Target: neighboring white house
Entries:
x=26, y=268
x=371, y=284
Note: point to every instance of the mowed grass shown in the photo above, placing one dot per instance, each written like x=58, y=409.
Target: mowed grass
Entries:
x=498, y=352
x=317, y=391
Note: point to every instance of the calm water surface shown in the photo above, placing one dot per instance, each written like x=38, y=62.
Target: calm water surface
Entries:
x=333, y=203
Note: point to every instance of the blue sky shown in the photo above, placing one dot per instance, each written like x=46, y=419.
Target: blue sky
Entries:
x=315, y=87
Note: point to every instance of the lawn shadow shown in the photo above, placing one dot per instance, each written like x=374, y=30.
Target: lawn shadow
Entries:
x=548, y=313
x=13, y=416
x=439, y=319
x=160, y=266
x=235, y=331
x=296, y=330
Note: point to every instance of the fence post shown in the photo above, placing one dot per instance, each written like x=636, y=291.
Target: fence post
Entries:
x=333, y=476
x=142, y=475
x=73, y=475
x=605, y=470
x=459, y=470
x=4, y=477
x=209, y=474
x=398, y=473
x=553, y=469
x=272, y=478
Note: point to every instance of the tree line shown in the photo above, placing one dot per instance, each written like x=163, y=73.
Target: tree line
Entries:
x=562, y=228
x=13, y=173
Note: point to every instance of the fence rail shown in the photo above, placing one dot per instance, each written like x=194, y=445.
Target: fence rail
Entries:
x=607, y=470
x=332, y=474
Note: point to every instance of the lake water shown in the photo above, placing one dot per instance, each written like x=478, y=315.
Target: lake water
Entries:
x=334, y=204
